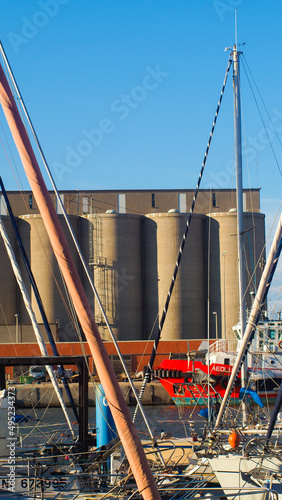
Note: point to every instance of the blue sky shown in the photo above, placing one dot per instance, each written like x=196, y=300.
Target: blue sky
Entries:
x=123, y=94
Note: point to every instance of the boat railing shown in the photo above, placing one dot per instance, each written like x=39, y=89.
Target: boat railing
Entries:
x=223, y=345
x=259, y=443
x=174, y=490
x=174, y=454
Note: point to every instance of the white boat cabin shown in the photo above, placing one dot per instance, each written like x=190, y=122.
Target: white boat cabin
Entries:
x=265, y=352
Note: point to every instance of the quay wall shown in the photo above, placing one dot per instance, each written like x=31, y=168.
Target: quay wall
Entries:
x=43, y=395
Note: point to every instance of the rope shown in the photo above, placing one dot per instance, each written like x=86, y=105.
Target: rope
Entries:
x=180, y=253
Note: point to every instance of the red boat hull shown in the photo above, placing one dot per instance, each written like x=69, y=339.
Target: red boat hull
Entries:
x=193, y=382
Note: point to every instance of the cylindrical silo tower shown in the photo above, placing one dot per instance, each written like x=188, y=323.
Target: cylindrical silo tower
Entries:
x=8, y=289
x=47, y=275
x=117, y=262
x=186, y=314
x=224, y=296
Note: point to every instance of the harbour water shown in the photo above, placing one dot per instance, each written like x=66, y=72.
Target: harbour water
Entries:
x=48, y=425
x=170, y=419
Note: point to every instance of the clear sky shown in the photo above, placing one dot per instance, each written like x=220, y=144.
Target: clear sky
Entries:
x=123, y=93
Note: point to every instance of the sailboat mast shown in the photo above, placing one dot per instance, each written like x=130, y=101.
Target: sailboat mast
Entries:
x=85, y=267
x=127, y=432
x=239, y=194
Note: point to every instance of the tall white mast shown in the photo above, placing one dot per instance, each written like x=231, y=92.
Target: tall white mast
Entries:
x=239, y=197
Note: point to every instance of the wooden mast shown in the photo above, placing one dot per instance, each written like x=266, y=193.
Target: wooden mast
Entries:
x=126, y=429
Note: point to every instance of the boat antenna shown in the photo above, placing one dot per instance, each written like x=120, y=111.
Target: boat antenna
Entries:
x=236, y=45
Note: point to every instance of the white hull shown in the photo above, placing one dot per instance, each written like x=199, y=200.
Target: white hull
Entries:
x=248, y=474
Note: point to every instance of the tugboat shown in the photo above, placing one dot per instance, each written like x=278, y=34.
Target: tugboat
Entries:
x=190, y=380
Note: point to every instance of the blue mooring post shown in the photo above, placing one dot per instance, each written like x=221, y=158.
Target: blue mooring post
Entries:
x=105, y=426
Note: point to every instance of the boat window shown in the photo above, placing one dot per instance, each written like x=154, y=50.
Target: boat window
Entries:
x=271, y=334
x=178, y=389
x=213, y=200
x=227, y=361
x=279, y=334
x=153, y=200
x=30, y=201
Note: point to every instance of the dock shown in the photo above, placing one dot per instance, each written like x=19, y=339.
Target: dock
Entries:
x=42, y=394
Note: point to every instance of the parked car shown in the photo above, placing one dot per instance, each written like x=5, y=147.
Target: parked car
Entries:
x=38, y=372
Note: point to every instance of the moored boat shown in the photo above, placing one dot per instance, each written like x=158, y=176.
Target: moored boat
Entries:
x=188, y=380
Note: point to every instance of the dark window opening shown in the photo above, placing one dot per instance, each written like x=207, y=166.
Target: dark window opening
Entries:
x=153, y=200
x=213, y=200
x=227, y=361
x=30, y=201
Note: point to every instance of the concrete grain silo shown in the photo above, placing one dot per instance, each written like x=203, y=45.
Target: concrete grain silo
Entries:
x=117, y=263
x=224, y=296
x=47, y=274
x=8, y=289
x=162, y=237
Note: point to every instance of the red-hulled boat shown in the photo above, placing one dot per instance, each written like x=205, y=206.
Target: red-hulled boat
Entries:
x=188, y=380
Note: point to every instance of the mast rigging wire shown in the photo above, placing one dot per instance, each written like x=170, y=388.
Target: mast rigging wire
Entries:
x=182, y=245
x=261, y=98
x=265, y=128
